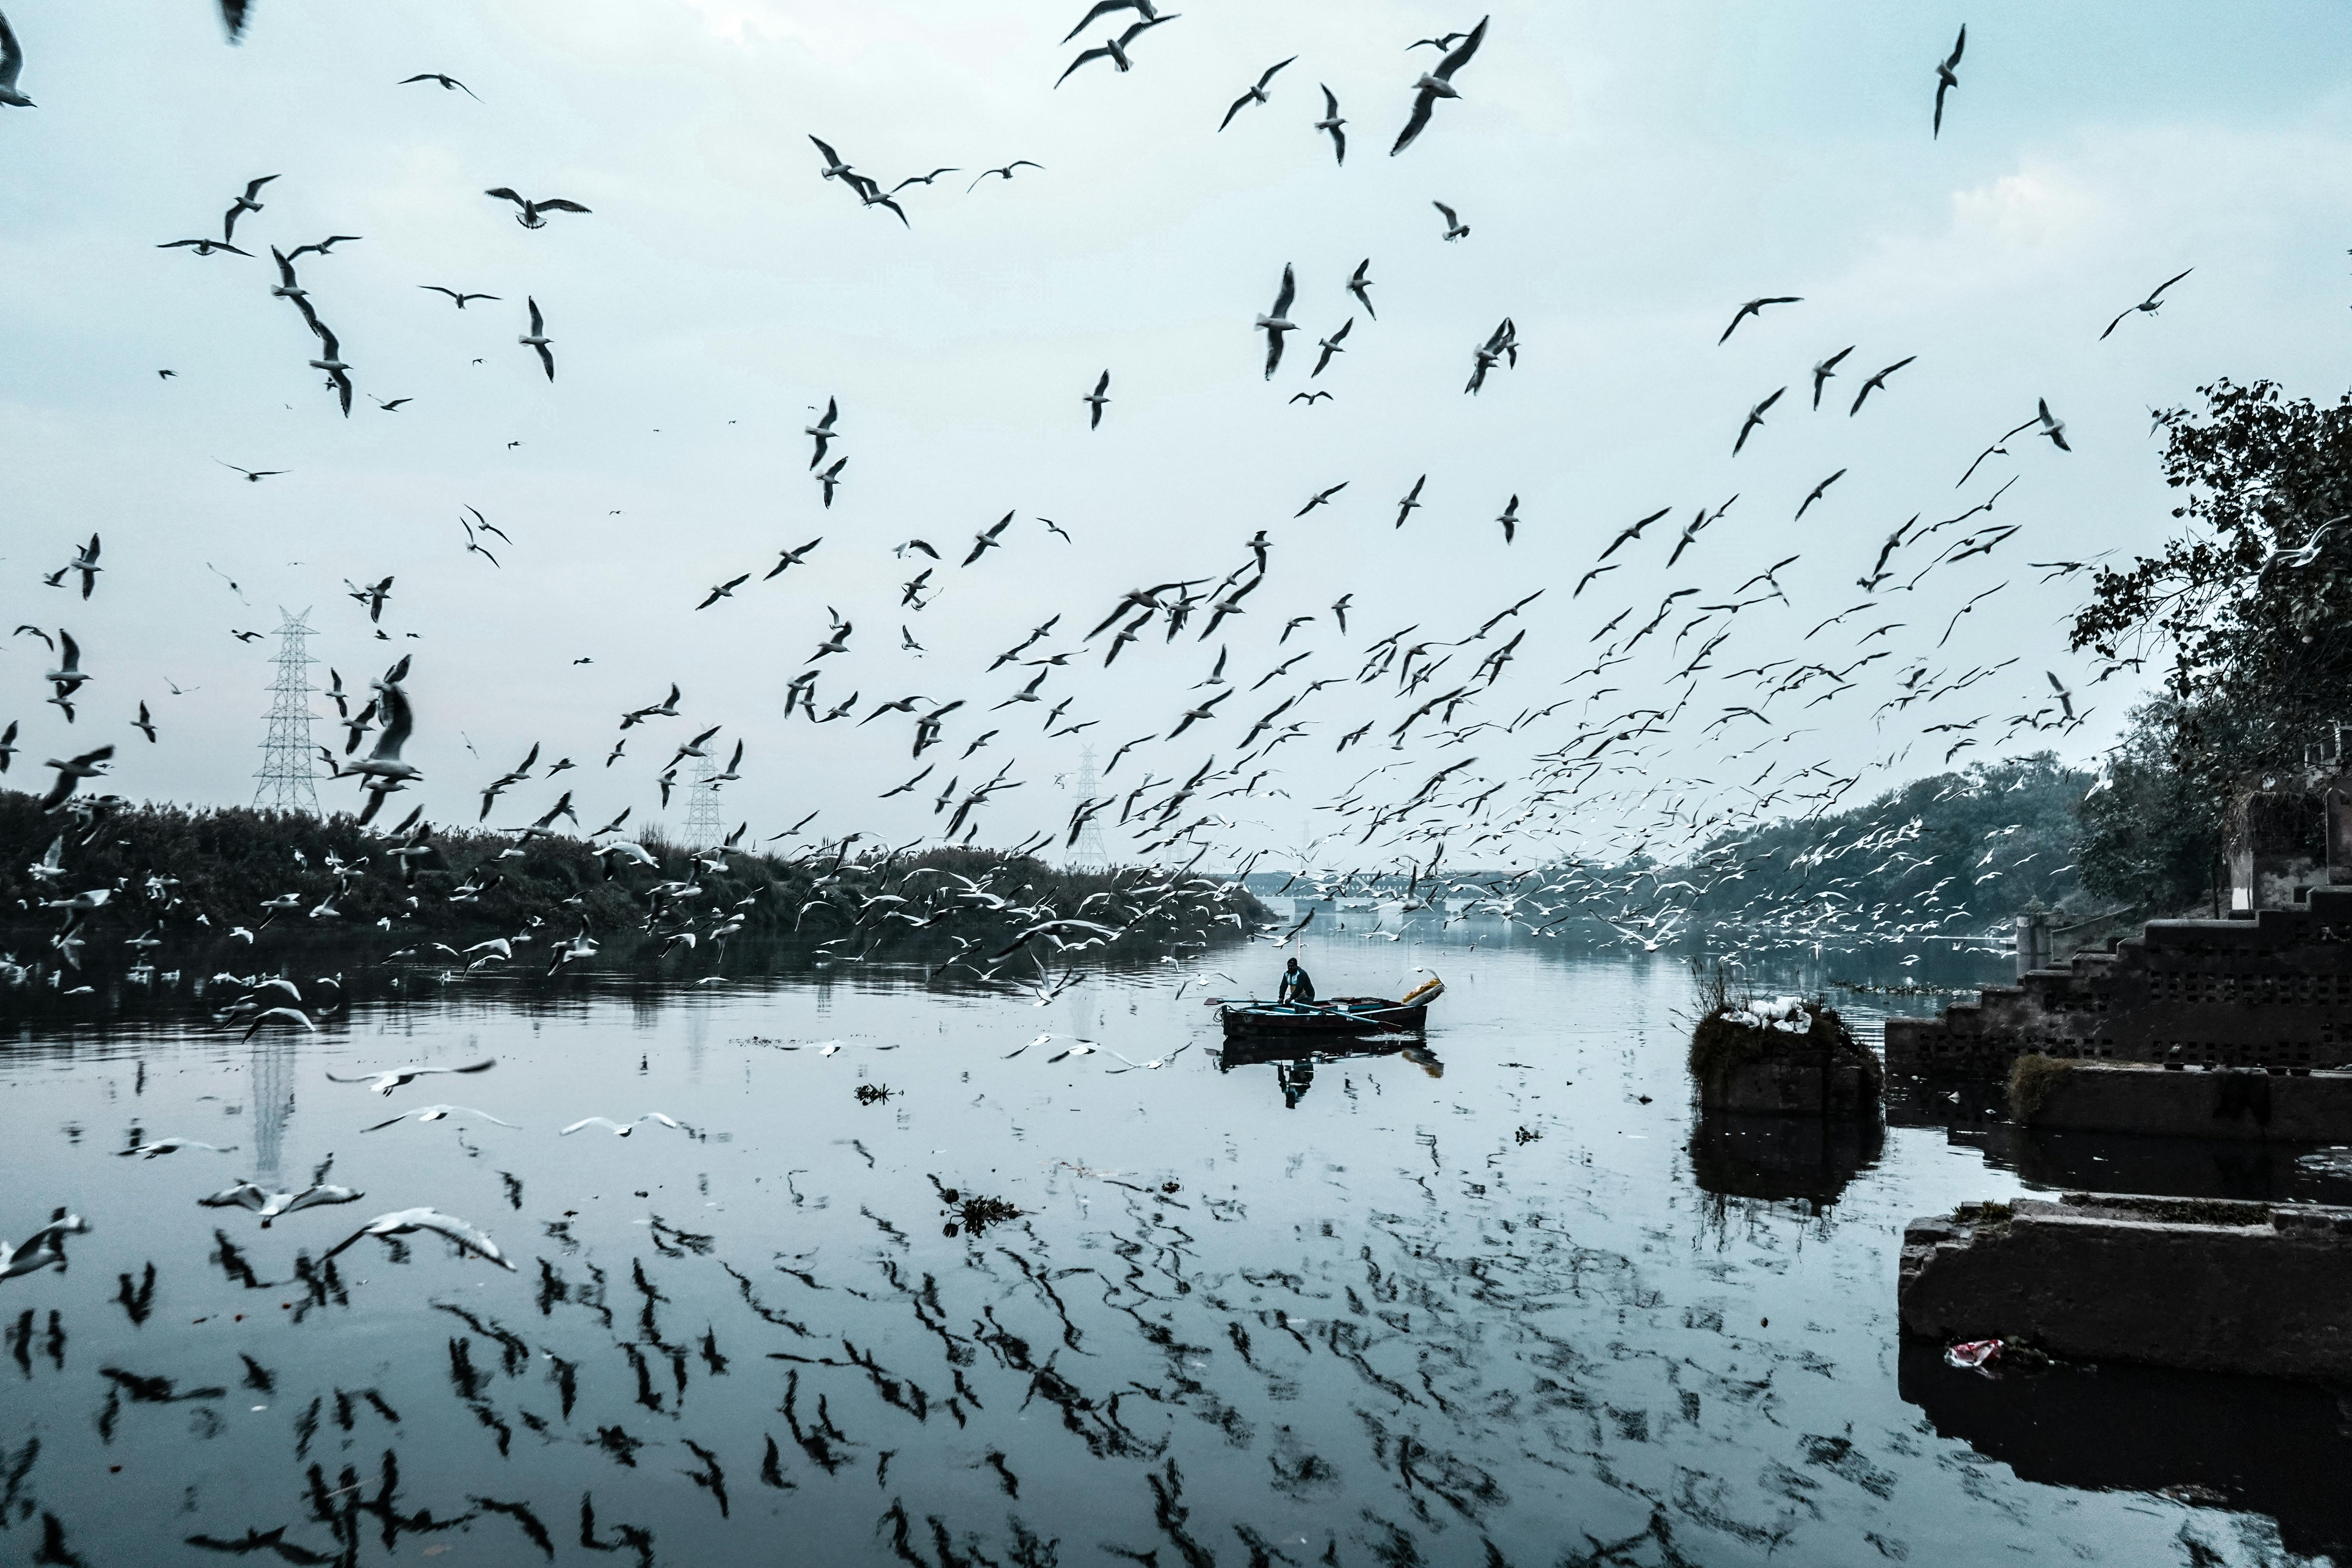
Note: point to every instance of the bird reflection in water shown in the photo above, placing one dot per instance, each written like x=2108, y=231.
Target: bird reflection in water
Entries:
x=1294, y=1061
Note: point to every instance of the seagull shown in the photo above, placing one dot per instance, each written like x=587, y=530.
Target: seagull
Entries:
x=89, y=765
x=923, y=179
x=1256, y=94
x=1826, y=368
x=85, y=562
x=1878, y=380
x=162, y=1146
x=144, y=724
x=1945, y=80
x=1321, y=497
x=384, y=1081
x=823, y=430
x=1333, y=124
x=253, y=476
x=2154, y=300
x=981, y=543
x=284, y=1015
x=461, y=298
x=405, y=1222
x=12, y=62
x=1754, y=307
x=1817, y=492
x=371, y=595
x=1330, y=346
x=435, y=1114
x=1411, y=503
x=793, y=557
x=1510, y=520
x=724, y=590
x=1454, y=228
x=393, y=406
x=1111, y=49
x=203, y=246
x=242, y=205
x=1278, y=322
x=835, y=169
x=1439, y=83
x=1309, y=397
x=537, y=338
x=448, y=83
x=1156, y=1063
x=331, y=360
x=1359, y=284
x=1144, y=8
x=1755, y=417
x=1095, y=399
x=2052, y=426
x=269, y=1205
x=1006, y=172
x=44, y=1248
x=529, y=217
x=324, y=247
x=622, y=1129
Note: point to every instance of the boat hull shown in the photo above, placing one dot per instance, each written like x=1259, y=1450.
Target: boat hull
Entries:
x=1343, y=1015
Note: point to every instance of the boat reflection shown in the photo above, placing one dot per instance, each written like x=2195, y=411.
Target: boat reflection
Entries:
x=1294, y=1059
x=2277, y=1448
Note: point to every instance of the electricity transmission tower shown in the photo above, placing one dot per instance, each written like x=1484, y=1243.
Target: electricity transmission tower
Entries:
x=290, y=767
x=1088, y=853
x=703, y=829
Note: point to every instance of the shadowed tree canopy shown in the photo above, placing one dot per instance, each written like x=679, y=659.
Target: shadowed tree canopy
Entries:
x=2251, y=600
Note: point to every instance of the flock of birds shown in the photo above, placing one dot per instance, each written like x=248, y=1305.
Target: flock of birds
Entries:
x=1441, y=682
x=1435, y=686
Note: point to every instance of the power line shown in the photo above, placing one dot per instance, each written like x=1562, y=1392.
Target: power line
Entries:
x=289, y=765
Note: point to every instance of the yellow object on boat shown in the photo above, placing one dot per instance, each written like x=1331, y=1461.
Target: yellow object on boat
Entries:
x=1428, y=990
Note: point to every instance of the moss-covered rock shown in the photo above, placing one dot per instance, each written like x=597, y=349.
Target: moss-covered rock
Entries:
x=1824, y=1071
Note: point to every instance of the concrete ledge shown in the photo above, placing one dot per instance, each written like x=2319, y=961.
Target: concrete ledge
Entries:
x=2252, y=1107
x=2207, y=1284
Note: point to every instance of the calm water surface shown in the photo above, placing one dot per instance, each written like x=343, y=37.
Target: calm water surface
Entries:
x=1501, y=1300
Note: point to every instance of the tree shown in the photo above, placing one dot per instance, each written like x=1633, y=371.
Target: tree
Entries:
x=2252, y=602
x=2148, y=834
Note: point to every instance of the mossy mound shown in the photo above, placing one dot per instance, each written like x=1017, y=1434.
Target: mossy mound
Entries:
x=1737, y=1067
x=2030, y=1080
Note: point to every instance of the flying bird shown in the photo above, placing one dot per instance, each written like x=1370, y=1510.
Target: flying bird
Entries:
x=1256, y=94
x=447, y=83
x=1412, y=501
x=1454, y=228
x=1755, y=417
x=1826, y=368
x=1878, y=380
x=1754, y=307
x=1278, y=322
x=461, y=298
x=2052, y=426
x=1359, y=285
x=1439, y=83
x=529, y=216
x=12, y=63
x=1330, y=345
x=1094, y=401
x=1333, y=124
x=1945, y=78
x=2150, y=304
x=1143, y=8
x=1006, y=172
x=408, y=1222
x=536, y=339
x=244, y=204
x=1817, y=492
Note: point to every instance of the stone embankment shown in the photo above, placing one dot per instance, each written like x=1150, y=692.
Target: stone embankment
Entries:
x=2239, y=1105
x=2205, y=1284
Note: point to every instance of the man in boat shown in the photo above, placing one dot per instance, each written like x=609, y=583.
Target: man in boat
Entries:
x=1298, y=985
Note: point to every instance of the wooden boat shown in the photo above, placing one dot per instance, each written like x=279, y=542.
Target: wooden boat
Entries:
x=1339, y=1015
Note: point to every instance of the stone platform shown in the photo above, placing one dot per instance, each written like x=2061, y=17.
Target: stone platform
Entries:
x=2246, y=1106
x=2205, y=1284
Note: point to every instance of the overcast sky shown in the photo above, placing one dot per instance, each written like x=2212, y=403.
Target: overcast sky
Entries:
x=1629, y=178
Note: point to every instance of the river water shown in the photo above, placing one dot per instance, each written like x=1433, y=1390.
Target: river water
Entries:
x=1499, y=1300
